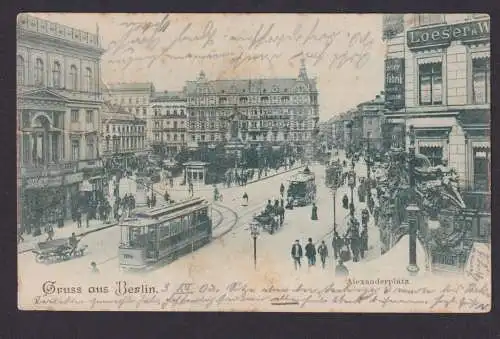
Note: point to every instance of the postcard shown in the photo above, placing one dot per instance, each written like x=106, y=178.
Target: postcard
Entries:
x=254, y=162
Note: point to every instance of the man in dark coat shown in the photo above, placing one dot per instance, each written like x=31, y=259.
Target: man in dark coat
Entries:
x=337, y=244
x=323, y=253
x=296, y=254
x=311, y=252
x=282, y=190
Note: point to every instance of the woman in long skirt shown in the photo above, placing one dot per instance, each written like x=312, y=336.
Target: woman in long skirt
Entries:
x=314, y=215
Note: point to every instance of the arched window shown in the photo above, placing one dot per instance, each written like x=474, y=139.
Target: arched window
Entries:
x=88, y=79
x=73, y=77
x=20, y=70
x=56, y=75
x=39, y=72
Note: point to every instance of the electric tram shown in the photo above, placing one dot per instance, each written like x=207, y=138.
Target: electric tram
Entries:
x=164, y=233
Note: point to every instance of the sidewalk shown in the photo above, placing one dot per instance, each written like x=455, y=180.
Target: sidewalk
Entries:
x=30, y=241
x=179, y=192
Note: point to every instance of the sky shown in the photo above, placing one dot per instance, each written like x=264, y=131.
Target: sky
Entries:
x=344, y=52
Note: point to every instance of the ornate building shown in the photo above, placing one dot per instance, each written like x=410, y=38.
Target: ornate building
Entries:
x=260, y=111
x=134, y=98
x=59, y=106
x=122, y=132
x=438, y=81
x=168, y=117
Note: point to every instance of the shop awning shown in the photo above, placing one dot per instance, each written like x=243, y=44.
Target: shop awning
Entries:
x=430, y=143
x=481, y=144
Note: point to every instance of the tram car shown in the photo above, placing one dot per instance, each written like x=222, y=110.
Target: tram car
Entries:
x=164, y=233
x=302, y=188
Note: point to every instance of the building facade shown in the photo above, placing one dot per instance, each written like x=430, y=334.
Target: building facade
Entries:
x=257, y=111
x=168, y=117
x=134, y=98
x=58, y=113
x=372, y=119
x=438, y=81
x=122, y=132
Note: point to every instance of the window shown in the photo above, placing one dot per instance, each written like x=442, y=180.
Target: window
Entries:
x=175, y=137
x=20, y=70
x=182, y=137
x=430, y=19
x=75, y=116
x=193, y=138
x=39, y=72
x=434, y=154
x=90, y=149
x=75, y=150
x=89, y=117
x=88, y=79
x=482, y=169
x=481, y=91
x=73, y=77
x=130, y=101
x=56, y=75
x=144, y=111
x=182, y=112
x=431, y=83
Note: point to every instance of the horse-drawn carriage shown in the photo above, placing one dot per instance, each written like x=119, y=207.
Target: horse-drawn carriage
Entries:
x=268, y=221
x=57, y=250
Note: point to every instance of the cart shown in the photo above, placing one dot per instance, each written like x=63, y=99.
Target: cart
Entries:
x=268, y=222
x=57, y=250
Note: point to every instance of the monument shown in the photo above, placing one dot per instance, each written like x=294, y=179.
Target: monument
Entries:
x=234, y=144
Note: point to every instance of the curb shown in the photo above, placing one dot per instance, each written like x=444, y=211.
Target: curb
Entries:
x=78, y=235
x=248, y=183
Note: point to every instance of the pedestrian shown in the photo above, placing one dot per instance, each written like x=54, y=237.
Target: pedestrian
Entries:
x=323, y=253
x=310, y=252
x=94, y=268
x=245, y=197
x=337, y=244
x=282, y=189
x=296, y=254
x=79, y=218
x=50, y=233
x=345, y=202
x=314, y=214
x=363, y=242
x=20, y=237
x=341, y=270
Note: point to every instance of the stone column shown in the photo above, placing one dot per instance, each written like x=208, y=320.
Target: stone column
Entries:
x=49, y=148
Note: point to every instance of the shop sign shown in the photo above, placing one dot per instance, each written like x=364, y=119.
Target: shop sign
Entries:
x=40, y=182
x=73, y=178
x=443, y=35
x=394, y=83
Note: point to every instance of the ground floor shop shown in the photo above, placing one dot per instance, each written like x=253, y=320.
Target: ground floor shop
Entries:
x=460, y=140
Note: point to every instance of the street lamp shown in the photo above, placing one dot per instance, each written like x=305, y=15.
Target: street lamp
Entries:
x=352, y=184
x=254, y=232
x=412, y=209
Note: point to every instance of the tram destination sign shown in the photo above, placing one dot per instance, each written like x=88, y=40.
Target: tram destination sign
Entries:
x=443, y=35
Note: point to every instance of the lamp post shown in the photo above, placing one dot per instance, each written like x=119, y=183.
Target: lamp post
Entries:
x=352, y=184
x=254, y=231
x=412, y=209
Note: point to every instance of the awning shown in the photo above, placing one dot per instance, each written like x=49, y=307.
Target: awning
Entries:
x=430, y=60
x=481, y=55
x=481, y=144
x=430, y=143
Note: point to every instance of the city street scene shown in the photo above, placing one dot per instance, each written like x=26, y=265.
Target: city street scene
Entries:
x=310, y=163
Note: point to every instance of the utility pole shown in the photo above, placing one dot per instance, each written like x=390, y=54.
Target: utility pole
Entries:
x=412, y=209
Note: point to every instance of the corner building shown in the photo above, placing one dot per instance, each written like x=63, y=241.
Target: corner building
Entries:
x=58, y=112
x=438, y=81
x=276, y=111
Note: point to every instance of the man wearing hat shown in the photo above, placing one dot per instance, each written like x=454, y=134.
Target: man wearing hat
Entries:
x=296, y=253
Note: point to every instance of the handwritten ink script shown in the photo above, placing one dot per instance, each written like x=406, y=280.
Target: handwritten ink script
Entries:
x=146, y=43
x=342, y=296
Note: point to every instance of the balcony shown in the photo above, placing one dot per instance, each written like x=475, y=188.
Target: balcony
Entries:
x=51, y=169
x=83, y=127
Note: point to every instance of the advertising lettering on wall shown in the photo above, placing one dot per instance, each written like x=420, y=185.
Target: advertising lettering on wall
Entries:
x=443, y=35
x=394, y=83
